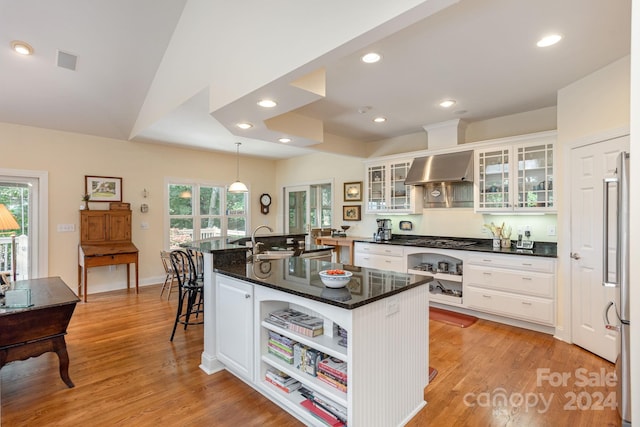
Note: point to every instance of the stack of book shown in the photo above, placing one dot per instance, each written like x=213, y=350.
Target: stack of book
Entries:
x=323, y=408
x=333, y=371
x=306, y=359
x=296, y=321
x=281, y=380
x=281, y=346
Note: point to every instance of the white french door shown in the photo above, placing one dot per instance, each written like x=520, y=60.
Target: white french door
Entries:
x=590, y=164
x=308, y=206
x=27, y=193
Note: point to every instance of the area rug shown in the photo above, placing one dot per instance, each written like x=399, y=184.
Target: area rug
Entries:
x=451, y=317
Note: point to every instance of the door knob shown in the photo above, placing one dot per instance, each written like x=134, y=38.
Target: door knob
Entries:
x=575, y=255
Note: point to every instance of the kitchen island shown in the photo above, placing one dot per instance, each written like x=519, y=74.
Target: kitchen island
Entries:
x=384, y=316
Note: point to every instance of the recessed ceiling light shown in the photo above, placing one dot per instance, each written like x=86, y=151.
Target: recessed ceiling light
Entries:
x=380, y=119
x=284, y=140
x=244, y=125
x=267, y=103
x=549, y=40
x=21, y=47
x=448, y=103
x=371, y=57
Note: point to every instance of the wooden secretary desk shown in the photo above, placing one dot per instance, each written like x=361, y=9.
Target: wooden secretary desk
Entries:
x=105, y=239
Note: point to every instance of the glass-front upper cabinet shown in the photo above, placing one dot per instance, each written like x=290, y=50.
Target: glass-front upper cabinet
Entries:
x=516, y=177
x=386, y=191
x=535, y=176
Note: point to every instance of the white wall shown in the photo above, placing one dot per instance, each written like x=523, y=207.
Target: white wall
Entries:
x=68, y=157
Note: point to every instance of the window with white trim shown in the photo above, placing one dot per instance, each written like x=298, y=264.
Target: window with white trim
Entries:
x=202, y=211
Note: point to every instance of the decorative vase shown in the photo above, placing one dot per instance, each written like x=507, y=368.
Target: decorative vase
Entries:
x=496, y=243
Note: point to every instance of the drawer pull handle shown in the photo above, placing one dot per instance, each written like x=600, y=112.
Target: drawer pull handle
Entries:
x=486, y=296
x=486, y=260
x=527, y=264
x=487, y=273
x=387, y=261
x=527, y=278
x=526, y=303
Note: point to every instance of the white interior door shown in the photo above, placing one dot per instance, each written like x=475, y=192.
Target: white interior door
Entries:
x=589, y=166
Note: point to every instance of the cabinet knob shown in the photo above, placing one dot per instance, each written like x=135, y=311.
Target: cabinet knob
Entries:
x=575, y=255
x=247, y=296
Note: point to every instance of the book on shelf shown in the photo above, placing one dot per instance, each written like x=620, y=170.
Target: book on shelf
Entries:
x=321, y=400
x=281, y=338
x=285, y=348
x=296, y=321
x=286, y=388
x=321, y=414
x=306, y=359
x=309, y=322
x=279, y=376
x=277, y=352
x=305, y=331
x=325, y=378
x=334, y=366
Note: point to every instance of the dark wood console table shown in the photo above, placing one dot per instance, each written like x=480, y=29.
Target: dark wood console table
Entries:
x=32, y=331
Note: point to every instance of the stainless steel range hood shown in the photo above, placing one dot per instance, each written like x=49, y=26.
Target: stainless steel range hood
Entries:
x=449, y=167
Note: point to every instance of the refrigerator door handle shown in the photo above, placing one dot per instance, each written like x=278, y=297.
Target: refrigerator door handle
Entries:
x=605, y=236
x=605, y=315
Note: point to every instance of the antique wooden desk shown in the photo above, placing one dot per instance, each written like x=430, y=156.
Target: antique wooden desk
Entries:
x=105, y=239
x=339, y=243
x=32, y=331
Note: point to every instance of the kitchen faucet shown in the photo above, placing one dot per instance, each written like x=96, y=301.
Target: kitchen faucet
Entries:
x=255, y=246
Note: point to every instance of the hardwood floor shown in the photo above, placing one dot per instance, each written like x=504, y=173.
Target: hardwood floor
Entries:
x=127, y=372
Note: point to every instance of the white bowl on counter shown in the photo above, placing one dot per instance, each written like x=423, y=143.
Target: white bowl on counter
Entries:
x=335, y=280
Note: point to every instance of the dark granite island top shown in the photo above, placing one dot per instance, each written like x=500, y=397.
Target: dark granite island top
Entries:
x=299, y=276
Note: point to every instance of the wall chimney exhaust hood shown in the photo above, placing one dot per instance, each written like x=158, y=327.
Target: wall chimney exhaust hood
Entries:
x=449, y=167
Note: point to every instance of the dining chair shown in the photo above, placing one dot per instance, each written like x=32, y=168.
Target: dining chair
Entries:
x=190, y=300
x=170, y=277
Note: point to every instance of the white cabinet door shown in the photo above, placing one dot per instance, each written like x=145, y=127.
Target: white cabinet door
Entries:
x=234, y=323
x=385, y=190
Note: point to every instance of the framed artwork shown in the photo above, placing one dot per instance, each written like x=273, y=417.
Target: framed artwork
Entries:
x=353, y=191
x=351, y=213
x=103, y=188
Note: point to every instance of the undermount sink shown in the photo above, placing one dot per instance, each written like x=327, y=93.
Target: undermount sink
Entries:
x=272, y=255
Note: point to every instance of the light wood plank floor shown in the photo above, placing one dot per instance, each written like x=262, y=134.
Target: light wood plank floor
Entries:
x=128, y=373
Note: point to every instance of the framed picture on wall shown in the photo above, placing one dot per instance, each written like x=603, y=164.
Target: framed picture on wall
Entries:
x=351, y=213
x=103, y=188
x=353, y=191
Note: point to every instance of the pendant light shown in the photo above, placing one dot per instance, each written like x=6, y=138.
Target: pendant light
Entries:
x=237, y=186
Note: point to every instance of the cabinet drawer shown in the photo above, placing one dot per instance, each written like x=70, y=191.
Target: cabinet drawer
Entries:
x=102, y=260
x=380, y=249
x=381, y=262
x=523, y=282
x=527, y=308
x=519, y=262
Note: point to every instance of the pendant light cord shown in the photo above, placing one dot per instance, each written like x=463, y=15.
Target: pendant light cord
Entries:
x=237, y=161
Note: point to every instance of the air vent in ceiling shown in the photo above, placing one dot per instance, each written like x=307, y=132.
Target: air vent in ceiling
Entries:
x=67, y=60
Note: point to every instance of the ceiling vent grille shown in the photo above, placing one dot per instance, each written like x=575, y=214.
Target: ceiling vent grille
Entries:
x=67, y=60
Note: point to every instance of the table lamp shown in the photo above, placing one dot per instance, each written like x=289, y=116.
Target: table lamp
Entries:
x=8, y=223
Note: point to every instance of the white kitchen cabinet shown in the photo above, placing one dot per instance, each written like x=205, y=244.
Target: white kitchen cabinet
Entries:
x=517, y=176
x=385, y=190
x=380, y=256
x=519, y=287
x=234, y=317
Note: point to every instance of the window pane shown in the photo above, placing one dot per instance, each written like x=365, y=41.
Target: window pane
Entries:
x=237, y=226
x=180, y=232
x=210, y=227
x=180, y=200
x=210, y=200
x=236, y=203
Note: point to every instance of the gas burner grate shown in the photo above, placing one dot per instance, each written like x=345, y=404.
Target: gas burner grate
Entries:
x=440, y=243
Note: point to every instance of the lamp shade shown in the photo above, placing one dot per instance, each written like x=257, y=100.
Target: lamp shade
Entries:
x=7, y=220
x=238, y=187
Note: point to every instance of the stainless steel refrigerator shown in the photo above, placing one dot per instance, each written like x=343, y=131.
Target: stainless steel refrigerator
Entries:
x=616, y=274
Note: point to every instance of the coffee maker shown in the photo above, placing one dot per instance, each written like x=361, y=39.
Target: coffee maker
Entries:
x=384, y=230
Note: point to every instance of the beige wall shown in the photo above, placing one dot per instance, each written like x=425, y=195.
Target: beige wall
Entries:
x=68, y=157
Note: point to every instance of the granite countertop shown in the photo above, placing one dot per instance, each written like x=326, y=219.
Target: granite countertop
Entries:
x=271, y=241
x=299, y=276
x=541, y=249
